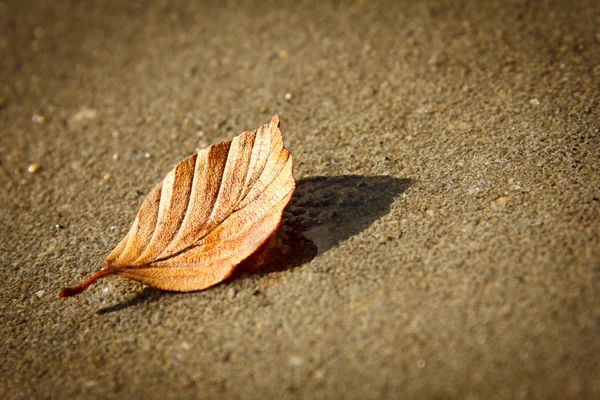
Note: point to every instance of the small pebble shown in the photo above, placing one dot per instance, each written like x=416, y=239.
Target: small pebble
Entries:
x=39, y=32
x=367, y=92
x=33, y=168
x=534, y=102
x=185, y=345
x=502, y=201
x=85, y=114
x=296, y=360
x=146, y=155
x=38, y=119
x=108, y=176
x=288, y=96
x=319, y=374
x=39, y=293
x=115, y=156
x=231, y=293
x=59, y=226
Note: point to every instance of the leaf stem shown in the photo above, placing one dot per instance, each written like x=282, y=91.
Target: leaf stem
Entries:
x=72, y=291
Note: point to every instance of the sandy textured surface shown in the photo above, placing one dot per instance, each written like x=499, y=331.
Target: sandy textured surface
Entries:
x=447, y=217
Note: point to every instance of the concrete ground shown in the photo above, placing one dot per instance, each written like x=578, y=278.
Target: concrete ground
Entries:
x=444, y=240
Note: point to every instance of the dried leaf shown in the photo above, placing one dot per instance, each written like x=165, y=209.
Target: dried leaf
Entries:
x=212, y=211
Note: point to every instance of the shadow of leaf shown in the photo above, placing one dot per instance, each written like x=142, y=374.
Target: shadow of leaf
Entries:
x=148, y=295
x=332, y=209
x=325, y=211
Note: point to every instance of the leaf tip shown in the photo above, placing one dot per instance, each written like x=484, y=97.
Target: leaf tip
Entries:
x=275, y=121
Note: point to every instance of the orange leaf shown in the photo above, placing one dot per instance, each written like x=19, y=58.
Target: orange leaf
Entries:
x=211, y=212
